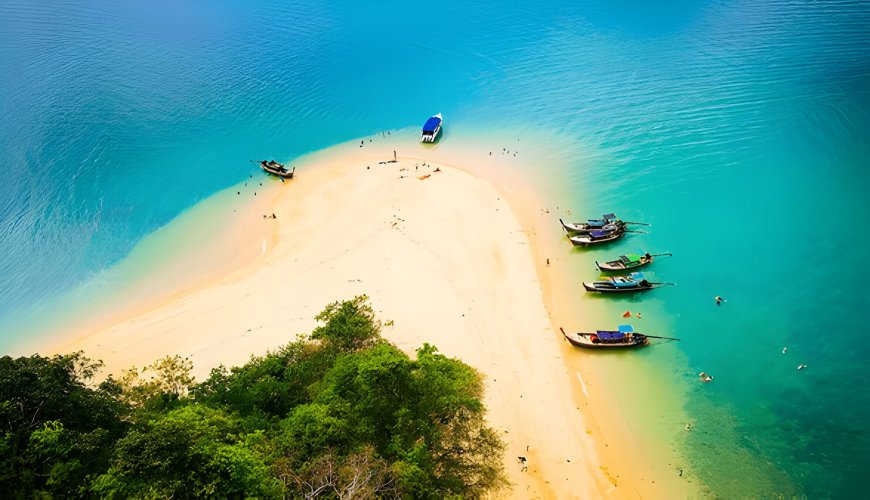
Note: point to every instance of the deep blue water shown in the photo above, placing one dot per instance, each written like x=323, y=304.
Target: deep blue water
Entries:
x=738, y=128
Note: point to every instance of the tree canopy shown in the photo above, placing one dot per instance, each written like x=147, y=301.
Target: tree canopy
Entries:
x=340, y=413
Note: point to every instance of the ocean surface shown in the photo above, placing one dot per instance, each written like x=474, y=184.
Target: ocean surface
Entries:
x=739, y=128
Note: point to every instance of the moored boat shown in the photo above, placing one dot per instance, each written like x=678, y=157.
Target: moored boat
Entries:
x=603, y=235
x=634, y=282
x=431, y=128
x=622, y=338
x=591, y=224
x=606, y=220
x=629, y=261
x=275, y=168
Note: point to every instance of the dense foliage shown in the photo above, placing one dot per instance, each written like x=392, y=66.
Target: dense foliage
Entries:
x=341, y=413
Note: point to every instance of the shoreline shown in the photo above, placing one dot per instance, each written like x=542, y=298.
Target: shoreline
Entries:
x=209, y=240
x=547, y=476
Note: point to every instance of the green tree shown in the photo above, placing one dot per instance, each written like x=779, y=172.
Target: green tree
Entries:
x=424, y=415
x=191, y=451
x=375, y=385
x=161, y=385
x=349, y=325
x=457, y=450
x=56, y=430
x=342, y=413
x=270, y=385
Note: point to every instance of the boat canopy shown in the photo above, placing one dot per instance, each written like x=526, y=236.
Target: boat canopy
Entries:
x=608, y=335
x=596, y=223
x=637, y=276
x=626, y=328
x=630, y=258
x=598, y=233
x=623, y=282
x=609, y=216
x=431, y=124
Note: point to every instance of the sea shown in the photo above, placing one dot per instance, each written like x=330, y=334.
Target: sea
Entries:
x=739, y=129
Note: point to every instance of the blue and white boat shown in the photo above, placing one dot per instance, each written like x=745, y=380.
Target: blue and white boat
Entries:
x=606, y=220
x=431, y=129
x=591, y=224
x=630, y=261
x=634, y=282
x=624, y=337
x=607, y=233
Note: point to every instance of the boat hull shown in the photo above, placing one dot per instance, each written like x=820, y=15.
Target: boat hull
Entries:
x=585, y=341
x=604, y=288
x=618, y=265
x=582, y=228
x=286, y=174
x=431, y=138
x=584, y=241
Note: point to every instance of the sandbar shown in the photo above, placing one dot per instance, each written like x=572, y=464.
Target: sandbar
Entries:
x=445, y=258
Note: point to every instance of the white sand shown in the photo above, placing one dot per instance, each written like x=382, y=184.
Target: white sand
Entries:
x=444, y=258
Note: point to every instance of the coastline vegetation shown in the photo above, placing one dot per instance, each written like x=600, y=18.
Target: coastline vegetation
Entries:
x=338, y=413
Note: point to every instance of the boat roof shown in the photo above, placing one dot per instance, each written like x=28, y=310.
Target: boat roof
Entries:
x=431, y=124
x=626, y=328
x=608, y=335
x=637, y=276
x=622, y=282
x=599, y=233
x=609, y=216
x=632, y=257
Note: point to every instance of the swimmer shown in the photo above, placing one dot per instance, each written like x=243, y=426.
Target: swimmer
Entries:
x=801, y=367
x=719, y=300
x=784, y=350
x=689, y=426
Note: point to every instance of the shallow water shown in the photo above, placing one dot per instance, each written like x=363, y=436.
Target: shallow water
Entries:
x=737, y=128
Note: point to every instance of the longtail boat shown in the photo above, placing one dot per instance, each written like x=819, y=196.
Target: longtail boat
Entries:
x=634, y=282
x=629, y=261
x=604, y=235
x=595, y=224
x=275, y=168
x=622, y=338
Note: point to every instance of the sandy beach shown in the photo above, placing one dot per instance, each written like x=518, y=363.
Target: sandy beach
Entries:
x=446, y=259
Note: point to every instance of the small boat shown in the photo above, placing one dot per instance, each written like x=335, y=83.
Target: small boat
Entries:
x=603, y=235
x=622, y=338
x=634, y=282
x=629, y=261
x=275, y=168
x=593, y=224
x=431, y=129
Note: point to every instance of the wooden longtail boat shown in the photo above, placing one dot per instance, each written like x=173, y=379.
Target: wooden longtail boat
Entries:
x=608, y=233
x=634, y=282
x=275, y=168
x=623, y=338
x=629, y=261
x=594, y=224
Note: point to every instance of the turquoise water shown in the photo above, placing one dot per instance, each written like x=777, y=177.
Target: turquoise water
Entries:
x=738, y=128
